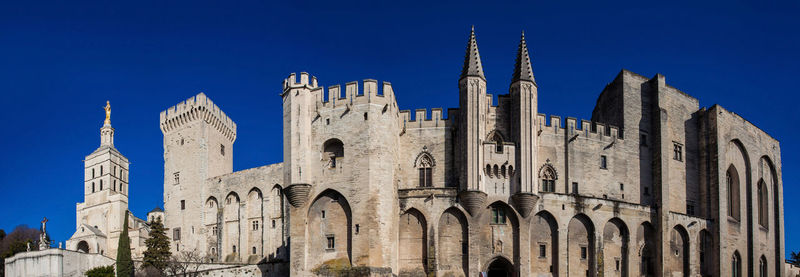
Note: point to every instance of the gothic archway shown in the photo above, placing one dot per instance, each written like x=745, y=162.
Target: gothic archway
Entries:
x=500, y=267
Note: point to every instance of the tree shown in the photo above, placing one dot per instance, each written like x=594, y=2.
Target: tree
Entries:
x=101, y=271
x=124, y=261
x=17, y=241
x=794, y=258
x=157, y=253
x=185, y=263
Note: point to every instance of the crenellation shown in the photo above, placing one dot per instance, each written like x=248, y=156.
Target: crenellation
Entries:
x=194, y=108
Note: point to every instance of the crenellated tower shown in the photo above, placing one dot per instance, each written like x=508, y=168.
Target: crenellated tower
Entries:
x=471, y=126
x=198, y=144
x=299, y=105
x=524, y=96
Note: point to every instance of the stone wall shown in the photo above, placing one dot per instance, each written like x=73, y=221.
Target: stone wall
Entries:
x=53, y=262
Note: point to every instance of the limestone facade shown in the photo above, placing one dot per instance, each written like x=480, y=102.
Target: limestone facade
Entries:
x=652, y=185
x=99, y=218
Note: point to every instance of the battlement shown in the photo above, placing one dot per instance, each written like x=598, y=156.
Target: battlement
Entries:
x=335, y=96
x=586, y=128
x=421, y=119
x=198, y=107
x=305, y=81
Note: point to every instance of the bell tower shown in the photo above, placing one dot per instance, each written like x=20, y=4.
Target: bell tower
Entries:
x=106, y=173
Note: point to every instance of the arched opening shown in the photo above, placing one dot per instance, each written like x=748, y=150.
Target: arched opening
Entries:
x=211, y=220
x=500, y=267
x=497, y=139
x=772, y=182
x=580, y=243
x=83, y=246
x=231, y=216
x=255, y=220
x=276, y=213
x=736, y=155
x=736, y=265
x=500, y=231
x=544, y=245
x=333, y=151
x=328, y=229
x=645, y=239
x=615, y=248
x=705, y=255
x=453, y=244
x=732, y=180
x=413, y=243
x=678, y=262
x=762, y=267
x=763, y=218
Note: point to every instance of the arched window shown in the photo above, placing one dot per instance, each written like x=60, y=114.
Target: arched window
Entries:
x=496, y=171
x=254, y=250
x=503, y=171
x=333, y=151
x=498, y=142
x=510, y=171
x=548, y=177
x=736, y=265
x=234, y=249
x=763, y=218
x=762, y=267
x=425, y=168
x=489, y=170
x=732, y=179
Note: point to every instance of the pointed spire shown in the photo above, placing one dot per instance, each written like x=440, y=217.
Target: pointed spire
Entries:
x=472, y=60
x=522, y=68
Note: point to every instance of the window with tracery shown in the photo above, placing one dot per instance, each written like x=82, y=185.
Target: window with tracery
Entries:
x=548, y=177
x=425, y=168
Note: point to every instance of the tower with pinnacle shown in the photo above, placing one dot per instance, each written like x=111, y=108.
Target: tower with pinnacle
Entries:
x=99, y=218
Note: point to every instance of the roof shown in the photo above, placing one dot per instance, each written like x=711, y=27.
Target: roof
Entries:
x=156, y=209
x=523, y=71
x=472, y=60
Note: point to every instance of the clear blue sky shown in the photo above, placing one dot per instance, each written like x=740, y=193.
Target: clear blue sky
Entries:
x=60, y=62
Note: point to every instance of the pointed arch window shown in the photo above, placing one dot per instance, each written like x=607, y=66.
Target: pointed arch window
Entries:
x=497, y=139
x=736, y=265
x=425, y=167
x=732, y=180
x=763, y=218
x=548, y=178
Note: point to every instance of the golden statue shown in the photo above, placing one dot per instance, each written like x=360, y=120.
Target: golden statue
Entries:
x=108, y=113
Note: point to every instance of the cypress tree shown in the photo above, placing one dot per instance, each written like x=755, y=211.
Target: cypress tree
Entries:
x=124, y=261
x=157, y=253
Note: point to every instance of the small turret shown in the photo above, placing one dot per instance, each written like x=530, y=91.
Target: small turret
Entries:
x=523, y=127
x=472, y=102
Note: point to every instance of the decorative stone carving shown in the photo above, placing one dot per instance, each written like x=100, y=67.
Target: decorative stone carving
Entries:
x=297, y=194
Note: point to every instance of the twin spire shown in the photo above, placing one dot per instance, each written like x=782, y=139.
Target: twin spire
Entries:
x=523, y=71
x=472, y=61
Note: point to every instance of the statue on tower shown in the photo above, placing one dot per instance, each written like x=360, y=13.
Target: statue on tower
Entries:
x=108, y=112
x=43, y=243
